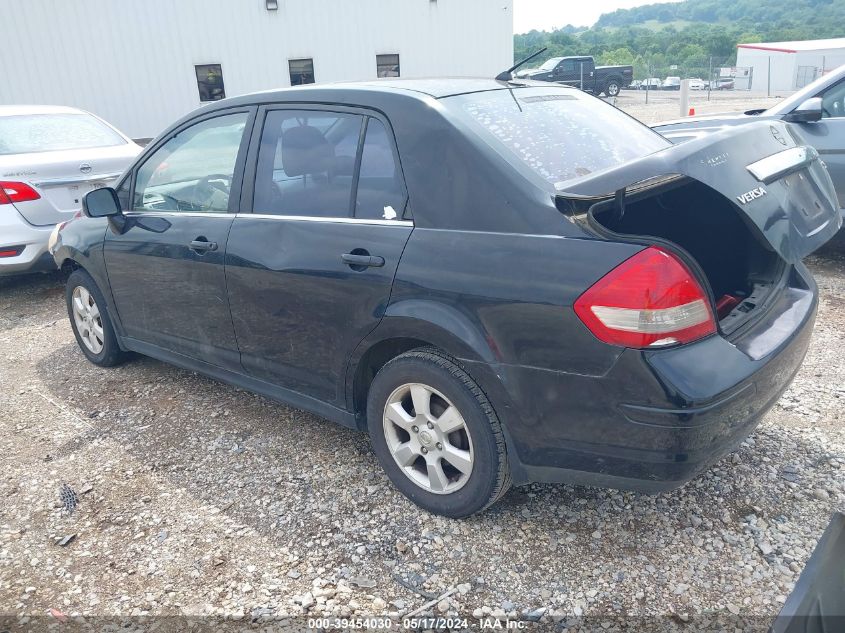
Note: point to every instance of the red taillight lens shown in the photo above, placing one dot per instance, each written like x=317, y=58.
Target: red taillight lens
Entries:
x=649, y=300
x=11, y=191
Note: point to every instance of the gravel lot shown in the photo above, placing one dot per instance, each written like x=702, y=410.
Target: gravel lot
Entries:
x=196, y=498
x=664, y=106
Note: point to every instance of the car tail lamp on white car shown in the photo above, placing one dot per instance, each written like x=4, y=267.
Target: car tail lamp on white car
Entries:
x=649, y=300
x=12, y=191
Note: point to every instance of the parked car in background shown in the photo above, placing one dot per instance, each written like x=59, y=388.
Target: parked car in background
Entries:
x=50, y=157
x=697, y=84
x=581, y=72
x=817, y=111
x=652, y=83
x=671, y=83
x=725, y=83
x=339, y=248
x=635, y=85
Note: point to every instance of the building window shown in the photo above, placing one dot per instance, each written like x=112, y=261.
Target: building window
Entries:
x=387, y=65
x=210, y=82
x=301, y=71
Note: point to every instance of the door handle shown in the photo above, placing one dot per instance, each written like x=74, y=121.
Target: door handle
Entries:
x=362, y=261
x=202, y=245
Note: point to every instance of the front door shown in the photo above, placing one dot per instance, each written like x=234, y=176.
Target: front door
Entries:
x=574, y=72
x=828, y=136
x=311, y=269
x=166, y=267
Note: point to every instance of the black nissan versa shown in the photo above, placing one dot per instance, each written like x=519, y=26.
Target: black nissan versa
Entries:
x=478, y=272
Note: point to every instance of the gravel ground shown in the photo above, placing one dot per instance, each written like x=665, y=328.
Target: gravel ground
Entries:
x=664, y=106
x=196, y=498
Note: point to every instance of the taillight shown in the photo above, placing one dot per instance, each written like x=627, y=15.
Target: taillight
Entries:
x=12, y=191
x=649, y=300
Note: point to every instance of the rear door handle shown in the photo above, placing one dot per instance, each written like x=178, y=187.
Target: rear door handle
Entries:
x=366, y=261
x=202, y=245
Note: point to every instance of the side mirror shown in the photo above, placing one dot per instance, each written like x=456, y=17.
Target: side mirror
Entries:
x=807, y=112
x=101, y=203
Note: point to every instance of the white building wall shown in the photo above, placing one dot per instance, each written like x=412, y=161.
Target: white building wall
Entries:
x=782, y=69
x=785, y=66
x=132, y=63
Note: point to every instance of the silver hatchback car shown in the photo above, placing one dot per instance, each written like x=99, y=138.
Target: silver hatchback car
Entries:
x=50, y=157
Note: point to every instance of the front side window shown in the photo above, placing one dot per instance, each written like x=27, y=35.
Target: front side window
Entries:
x=833, y=101
x=568, y=66
x=210, y=82
x=30, y=133
x=306, y=163
x=560, y=134
x=387, y=65
x=381, y=194
x=194, y=170
x=301, y=71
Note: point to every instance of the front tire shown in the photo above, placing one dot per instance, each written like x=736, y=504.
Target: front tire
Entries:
x=90, y=321
x=436, y=434
x=612, y=88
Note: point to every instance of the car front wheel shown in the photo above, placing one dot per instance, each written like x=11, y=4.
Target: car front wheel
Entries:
x=89, y=319
x=436, y=434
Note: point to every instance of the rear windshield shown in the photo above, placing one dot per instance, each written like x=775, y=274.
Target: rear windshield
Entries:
x=25, y=134
x=560, y=134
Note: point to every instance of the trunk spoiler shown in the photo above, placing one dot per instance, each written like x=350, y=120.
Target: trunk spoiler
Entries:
x=764, y=168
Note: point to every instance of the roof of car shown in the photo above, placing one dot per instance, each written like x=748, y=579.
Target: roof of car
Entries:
x=432, y=87
x=16, y=110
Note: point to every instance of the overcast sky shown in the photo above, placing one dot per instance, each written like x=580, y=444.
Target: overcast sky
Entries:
x=546, y=15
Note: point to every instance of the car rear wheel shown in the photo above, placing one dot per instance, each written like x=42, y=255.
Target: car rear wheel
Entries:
x=612, y=89
x=90, y=320
x=436, y=434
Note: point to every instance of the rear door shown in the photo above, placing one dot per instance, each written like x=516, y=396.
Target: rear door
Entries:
x=310, y=270
x=828, y=135
x=166, y=267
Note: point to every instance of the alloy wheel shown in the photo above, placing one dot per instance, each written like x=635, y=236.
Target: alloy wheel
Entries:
x=88, y=321
x=428, y=438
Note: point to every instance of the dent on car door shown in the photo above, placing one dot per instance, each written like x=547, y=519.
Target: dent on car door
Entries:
x=165, y=267
x=311, y=269
x=828, y=136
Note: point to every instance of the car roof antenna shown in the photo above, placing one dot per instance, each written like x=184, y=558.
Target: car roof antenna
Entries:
x=508, y=74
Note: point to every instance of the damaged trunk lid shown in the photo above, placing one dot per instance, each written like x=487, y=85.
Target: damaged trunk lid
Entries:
x=765, y=169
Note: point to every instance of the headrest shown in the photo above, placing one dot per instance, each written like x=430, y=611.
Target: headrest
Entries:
x=306, y=151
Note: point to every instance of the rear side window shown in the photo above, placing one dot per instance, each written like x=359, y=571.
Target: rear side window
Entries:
x=560, y=134
x=25, y=134
x=381, y=194
x=306, y=163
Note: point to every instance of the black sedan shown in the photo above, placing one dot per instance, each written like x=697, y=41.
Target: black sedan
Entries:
x=476, y=272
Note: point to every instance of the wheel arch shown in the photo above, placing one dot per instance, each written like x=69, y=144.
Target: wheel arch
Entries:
x=416, y=324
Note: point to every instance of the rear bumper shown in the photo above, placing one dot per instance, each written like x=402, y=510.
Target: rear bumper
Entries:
x=657, y=418
x=15, y=231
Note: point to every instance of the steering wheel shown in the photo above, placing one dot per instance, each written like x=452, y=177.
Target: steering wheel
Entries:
x=213, y=181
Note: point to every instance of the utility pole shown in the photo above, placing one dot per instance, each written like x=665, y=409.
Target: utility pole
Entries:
x=710, y=78
x=769, y=79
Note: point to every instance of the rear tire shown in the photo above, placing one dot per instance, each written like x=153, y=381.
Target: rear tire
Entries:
x=90, y=321
x=612, y=88
x=436, y=434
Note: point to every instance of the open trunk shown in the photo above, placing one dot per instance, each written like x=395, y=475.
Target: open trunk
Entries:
x=740, y=268
x=740, y=205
